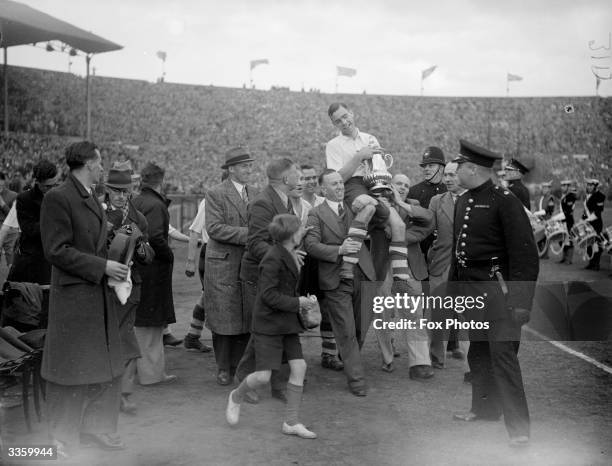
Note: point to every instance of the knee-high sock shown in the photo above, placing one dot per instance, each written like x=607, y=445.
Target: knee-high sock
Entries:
x=294, y=401
x=328, y=342
x=357, y=232
x=197, y=321
x=398, y=255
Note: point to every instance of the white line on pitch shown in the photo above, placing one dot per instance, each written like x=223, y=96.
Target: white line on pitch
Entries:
x=567, y=349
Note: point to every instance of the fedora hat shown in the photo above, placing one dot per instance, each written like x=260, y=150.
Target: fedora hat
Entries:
x=119, y=179
x=237, y=155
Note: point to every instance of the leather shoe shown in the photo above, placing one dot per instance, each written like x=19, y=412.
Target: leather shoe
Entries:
x=359, y=391
x=104, y=441
x=437, y=365
x=329, y=361
x=165, y=381
x=458, y=354
x=519, y=441
x=232, y=411
x=388, y=367
x=278, y=394
x=223, y=378
x=421, y=372
x=193, y=343
x=299, y=429
x=171, y=340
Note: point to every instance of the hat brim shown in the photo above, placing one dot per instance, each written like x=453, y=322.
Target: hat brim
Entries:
x=227, y=165
x=118, y=186
x=422, y=164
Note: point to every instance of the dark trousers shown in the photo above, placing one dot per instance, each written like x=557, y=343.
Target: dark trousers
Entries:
x=201, y=262
x=338, y=305
x=75, y=409
x=497, y=383
x=229, y=350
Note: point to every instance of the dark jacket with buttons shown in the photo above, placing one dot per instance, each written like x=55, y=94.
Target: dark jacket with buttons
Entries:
x=491, y=223
x=277, y=304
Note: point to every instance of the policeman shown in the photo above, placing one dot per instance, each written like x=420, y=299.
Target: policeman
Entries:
x=495, y=260
x=514, y=172
x=568, y=199
x=593, y=208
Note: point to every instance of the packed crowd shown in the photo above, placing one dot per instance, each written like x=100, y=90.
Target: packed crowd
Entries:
x=186, y=128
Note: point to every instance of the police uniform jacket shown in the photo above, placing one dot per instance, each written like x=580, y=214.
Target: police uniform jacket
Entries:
x=492, y=232
x=517, y=188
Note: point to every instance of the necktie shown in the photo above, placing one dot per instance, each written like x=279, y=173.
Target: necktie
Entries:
x=245, y=196
x=290, y=207
x=340, y=210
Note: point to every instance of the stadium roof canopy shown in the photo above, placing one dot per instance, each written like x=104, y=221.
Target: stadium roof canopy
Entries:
x=23, y=25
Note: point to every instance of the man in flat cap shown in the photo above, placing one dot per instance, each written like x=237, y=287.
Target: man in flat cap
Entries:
x=514, y=172
x=593, y=208
x=568, y=200
x=227, y=227
x=494, y=259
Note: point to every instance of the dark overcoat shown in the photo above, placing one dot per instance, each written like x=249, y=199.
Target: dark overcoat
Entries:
x=156, y=308
x=126, y=313
x=29, y=263
x=227, y=228
x=82, y=344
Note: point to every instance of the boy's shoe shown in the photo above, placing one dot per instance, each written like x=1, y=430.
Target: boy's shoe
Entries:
x=299, y=429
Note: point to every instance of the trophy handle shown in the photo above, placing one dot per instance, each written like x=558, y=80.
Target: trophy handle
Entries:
x=388, y=158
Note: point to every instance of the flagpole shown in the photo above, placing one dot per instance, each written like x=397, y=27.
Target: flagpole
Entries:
x=336, y=83
x=507, y=86
x=421, y=84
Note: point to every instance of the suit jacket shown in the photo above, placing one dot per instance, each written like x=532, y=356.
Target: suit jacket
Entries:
x=323, y=240
x=419, y=225
x=261, y=211
x=156, y=307
x=439, y=255
x=82, y=344
x=594, y=204
x=226, y=224
x=30, y=264
x=277, y=304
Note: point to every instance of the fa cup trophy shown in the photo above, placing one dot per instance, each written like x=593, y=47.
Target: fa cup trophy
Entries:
x=377, y=177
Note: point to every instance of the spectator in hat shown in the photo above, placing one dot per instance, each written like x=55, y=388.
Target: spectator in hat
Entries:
x=156, y=308
x=568, y=201
x=514, y=171
x=432, y=164
x=227, y=227
x=593, y=208
x=121, y=214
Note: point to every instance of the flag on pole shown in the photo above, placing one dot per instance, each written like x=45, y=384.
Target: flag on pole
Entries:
x=597, y=83
x=343, y=71
x=161, y=55
x=428, y=71
x=514, y=77
x=262, y=61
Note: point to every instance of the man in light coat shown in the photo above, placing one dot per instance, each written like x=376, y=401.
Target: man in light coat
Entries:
x=226, y=224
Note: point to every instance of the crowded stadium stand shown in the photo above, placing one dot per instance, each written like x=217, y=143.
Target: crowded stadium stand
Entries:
x=187, y=128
